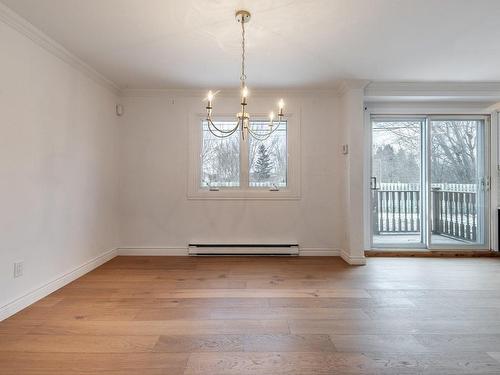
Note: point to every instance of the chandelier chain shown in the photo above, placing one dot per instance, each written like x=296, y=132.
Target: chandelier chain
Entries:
x=243, y=75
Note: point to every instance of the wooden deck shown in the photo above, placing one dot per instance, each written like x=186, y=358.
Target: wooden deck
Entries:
x=256, y=315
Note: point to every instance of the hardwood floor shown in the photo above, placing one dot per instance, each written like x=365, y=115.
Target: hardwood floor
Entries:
x=252, y=315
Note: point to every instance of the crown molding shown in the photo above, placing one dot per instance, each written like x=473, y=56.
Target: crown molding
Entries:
x=451, y=91
x=495, y=107
x=430, y=107
x=226, y=93
x=351, y=84
x=18, y=23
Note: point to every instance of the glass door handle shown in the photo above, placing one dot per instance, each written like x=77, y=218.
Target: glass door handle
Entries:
x=485, y=183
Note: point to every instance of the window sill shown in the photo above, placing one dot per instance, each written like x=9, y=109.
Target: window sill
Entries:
x=237, y=194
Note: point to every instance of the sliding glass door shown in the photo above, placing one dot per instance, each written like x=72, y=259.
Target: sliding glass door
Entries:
x=396, y=182
x=458, y=183
x=428, y=183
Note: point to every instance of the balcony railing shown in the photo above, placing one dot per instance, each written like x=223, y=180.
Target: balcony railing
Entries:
x=396, y=211
x=453, y=213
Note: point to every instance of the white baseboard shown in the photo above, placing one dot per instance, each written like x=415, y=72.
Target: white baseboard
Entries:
x=152, y=251
x=22, y=302
x=353, y=261
x=319, y=252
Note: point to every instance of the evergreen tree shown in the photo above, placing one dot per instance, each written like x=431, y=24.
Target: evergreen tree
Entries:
x=263, y=165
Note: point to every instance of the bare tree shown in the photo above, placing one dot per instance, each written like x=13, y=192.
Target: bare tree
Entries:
x=454, y=151
x=220, y=159
x=453, y=147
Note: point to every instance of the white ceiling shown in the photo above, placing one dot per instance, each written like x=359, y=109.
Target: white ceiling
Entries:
x=300, y=44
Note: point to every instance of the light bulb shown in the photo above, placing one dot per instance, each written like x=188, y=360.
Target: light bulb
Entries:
x=281, y=104
x=210, y=96
x=244, y=92
x=271, y=116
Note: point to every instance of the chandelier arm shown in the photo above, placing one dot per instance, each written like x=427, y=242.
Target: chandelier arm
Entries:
x=259, y=137
x=224, y=135
x=243, y=121
x=276, y=126
x=210, y=122
x=263, y=137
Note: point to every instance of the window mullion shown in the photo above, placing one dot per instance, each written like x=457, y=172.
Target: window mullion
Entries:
x=244, y=155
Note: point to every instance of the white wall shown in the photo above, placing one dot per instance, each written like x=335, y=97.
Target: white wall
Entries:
x=352, y=118
x=57, y=157
x=154, y=208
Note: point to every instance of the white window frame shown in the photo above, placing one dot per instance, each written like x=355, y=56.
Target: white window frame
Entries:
x=243, y=192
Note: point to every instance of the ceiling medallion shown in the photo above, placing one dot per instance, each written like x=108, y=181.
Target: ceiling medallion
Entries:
x=243, y=117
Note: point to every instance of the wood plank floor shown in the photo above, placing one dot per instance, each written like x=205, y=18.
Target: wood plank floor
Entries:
x=255, y=315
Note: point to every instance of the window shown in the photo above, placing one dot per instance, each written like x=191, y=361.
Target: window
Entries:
x=220, y=158
x=266, y=164
x=232, y=168
x=268, y=159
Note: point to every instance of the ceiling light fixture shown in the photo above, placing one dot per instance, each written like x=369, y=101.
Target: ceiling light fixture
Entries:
x=243, y=117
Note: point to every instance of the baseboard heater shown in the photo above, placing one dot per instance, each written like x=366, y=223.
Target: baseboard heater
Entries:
x=243, y=249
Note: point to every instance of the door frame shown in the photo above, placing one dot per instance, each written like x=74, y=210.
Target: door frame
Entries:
x=490, y=153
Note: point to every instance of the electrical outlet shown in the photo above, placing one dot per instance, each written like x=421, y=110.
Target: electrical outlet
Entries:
x=18, y=269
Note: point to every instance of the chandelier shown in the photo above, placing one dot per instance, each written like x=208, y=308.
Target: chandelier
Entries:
x=243, y=117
